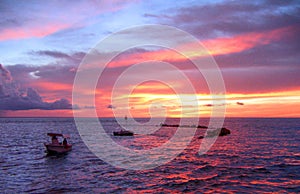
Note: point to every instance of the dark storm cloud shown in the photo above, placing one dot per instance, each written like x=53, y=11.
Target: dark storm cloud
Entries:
x=50, y=73
x=10, y=15
x=12, y=98
x=284, y=52
x=60, y=55
x=5, y=74
x=230, y=18
x=235, y=17
x=55, y=73
x=261, y=68
x=52, y=81
x=55, y=54
x=31, y=100
x=68, y=59
x=61, y=70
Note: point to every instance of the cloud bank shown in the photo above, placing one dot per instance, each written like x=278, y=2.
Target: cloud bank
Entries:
x=13, y=98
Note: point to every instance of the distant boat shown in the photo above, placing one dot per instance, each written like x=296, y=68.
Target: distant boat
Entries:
x=56, y=147
x=218, y=132
x=123, y=132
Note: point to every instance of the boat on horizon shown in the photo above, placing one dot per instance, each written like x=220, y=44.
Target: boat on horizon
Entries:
x=57, y=147
x=123, y=133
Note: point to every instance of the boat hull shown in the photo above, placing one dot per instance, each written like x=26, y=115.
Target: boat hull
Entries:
x=123, y=133
x=58, y=149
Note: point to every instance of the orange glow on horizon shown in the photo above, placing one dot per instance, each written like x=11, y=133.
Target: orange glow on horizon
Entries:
x=273, y=104
x=144, y=99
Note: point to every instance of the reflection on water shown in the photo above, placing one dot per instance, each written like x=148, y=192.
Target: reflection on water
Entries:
x=259, y=155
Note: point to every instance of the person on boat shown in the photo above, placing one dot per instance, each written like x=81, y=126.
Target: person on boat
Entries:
x=55, y=140
x=65, y=143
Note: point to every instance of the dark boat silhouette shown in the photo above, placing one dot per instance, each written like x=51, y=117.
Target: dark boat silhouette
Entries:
x=56, y=147
x=123, y=133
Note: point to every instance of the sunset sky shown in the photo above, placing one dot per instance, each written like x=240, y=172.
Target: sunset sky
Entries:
x=255, y=44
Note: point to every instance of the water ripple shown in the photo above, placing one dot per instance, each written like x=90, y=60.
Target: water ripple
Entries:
x=260, y=155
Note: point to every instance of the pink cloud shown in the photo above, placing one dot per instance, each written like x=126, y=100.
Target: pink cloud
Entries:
x=51, y=17
x=31, y=32
x=218, y=46
x=246, y=41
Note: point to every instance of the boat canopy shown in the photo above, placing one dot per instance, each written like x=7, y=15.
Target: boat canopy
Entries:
x=59, y=135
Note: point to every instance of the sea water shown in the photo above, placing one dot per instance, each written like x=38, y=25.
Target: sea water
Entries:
x=260, y=155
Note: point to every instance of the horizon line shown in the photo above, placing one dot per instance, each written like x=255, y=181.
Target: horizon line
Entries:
x=296, y=117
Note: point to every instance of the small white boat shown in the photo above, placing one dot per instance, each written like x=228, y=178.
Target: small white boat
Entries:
x=57, y=147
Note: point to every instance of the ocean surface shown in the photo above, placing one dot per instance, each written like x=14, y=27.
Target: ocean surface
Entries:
x=260, y=155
